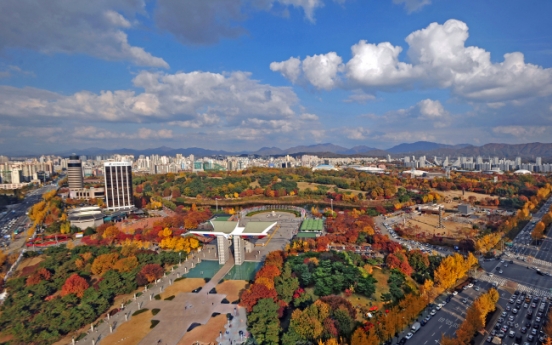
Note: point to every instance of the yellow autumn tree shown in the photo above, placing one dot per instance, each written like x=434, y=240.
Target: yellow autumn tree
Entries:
x=65, y=228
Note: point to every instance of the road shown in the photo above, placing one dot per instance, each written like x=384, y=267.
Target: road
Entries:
x=16, y=218
x=515, y=272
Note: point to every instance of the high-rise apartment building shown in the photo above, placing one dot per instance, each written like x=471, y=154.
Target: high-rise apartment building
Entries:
x=118, y=185
x=74, y=172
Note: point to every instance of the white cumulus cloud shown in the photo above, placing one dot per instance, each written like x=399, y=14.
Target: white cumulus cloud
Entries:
x=439, y=58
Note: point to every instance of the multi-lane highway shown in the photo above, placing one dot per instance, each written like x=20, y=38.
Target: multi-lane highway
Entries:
x=16, y=218
x=524, y=246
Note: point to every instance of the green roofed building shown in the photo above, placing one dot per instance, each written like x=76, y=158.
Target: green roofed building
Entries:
x=311, y=224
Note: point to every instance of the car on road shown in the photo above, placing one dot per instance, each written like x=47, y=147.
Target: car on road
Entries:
x=530, y=338
x=511, y=334
x=525, y=305
x=470, y=285
x=477, y=288
x=511, y=318
x=409, y=335
x=508, y=308
x=514, y=311
x=465, y=300
x=533, y=305
x=489, y=339
x=433, y=312
x=455, y=293
x=523, y=330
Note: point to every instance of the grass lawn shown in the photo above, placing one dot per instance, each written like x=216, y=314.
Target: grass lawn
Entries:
x=232, y=289
x=363, y=301
x=132, y=331
x=184, y=285
x=206, y=333
x=381, y=286
x=313, y=186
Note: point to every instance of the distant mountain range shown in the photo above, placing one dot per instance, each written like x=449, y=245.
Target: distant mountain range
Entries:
x=530, y=150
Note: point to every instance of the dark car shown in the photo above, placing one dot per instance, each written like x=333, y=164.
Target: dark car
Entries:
x=402, y=341
x=523, y=330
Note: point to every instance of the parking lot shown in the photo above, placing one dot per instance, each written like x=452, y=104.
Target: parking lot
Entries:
x=448, y=318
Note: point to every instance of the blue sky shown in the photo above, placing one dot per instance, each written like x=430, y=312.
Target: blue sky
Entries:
x=243, y=74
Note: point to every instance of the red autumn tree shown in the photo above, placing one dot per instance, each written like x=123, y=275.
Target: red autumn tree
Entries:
x=74, y=284
x=250, y=296
x=149, y=273
x=38, y=276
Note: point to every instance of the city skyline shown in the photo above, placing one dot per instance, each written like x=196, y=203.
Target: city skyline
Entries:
x=241, y=75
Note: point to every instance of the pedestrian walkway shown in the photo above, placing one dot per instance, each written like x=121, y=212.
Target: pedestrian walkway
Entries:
x=235, y=330
x=199, y=301
x=185, y=309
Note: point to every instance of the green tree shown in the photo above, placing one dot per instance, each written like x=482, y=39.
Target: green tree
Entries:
x=286, y=284
x=263, y=322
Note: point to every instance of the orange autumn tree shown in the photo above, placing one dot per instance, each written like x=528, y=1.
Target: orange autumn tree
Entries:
x=74, y=284
x=126, y=264
x=538, y=231
x=104, y=263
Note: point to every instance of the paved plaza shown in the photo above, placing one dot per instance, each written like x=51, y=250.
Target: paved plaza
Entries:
x=185, y=309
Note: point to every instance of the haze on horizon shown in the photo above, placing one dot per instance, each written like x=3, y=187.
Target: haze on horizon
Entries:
x=244, y=74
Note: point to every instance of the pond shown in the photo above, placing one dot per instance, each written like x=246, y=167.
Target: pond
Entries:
x=246, y=271
x=205, y=269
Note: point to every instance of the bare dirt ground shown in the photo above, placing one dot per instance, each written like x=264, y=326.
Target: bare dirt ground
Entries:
x=132, y=225
x=205, y=334
x=463, y=198
x=426, y=226
x=131, y=331
x=29, y=262
x=232, y=289
x=182, y=286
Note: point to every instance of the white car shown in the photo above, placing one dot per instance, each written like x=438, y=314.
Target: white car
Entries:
x=433, y=312
x=409, y=335
x=470, y=285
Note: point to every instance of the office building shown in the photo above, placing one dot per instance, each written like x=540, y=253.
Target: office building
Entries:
x=118, y=185
x=74, y=172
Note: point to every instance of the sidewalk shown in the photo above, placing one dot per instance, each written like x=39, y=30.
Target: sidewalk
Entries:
x=105, y=326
